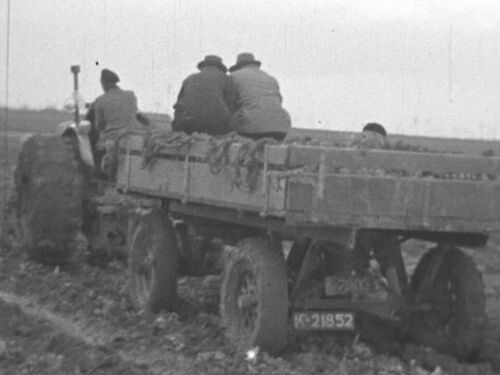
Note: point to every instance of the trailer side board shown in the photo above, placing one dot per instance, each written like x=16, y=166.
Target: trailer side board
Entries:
x=392, y=160
x=436, y=144
x=303, y=185
x=395, y=203
x=187, y=176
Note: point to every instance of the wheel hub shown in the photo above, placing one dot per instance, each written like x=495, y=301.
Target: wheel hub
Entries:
x=247, y=299
x=144, y=274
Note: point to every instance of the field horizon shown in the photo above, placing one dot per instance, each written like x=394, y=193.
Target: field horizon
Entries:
x=46, y=120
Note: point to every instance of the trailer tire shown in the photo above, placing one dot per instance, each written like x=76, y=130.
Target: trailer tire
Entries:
x=254, y=300
x=456, y=324
x=153, y=263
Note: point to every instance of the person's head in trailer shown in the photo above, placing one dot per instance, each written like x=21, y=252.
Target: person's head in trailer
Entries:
x=373, y=135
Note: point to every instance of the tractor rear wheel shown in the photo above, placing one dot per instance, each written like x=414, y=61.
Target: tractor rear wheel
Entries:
x=49, y=200
x=448, y=280
x=254, y=299
x=153, y=263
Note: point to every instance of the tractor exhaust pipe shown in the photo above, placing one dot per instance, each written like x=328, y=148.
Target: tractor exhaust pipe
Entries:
x=75, y=69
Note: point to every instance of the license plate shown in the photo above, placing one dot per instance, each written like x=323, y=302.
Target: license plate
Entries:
x=323, y=320
x=335, y=286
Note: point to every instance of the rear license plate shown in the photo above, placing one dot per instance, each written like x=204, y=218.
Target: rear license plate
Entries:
x=323, y=320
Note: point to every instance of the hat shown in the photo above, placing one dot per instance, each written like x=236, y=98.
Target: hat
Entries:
x=212, y=60
x=109, y=76
x=244, y=59
x=375, y=127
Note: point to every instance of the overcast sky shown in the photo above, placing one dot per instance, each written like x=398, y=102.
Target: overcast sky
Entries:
x=418, y=67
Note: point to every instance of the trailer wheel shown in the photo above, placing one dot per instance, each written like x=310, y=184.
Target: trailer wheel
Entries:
x=254, y=301
x=153, y=263
x=454, y=289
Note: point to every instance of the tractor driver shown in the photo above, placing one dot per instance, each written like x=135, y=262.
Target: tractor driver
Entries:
x=112, y=114
x=115, y=110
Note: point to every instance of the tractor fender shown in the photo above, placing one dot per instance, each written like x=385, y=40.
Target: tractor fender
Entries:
x=81, y=132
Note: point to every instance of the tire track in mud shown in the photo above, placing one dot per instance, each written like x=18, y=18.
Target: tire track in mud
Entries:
x=164, y=362
x=30, y=343
x=101, y=337
x=32, y=309
x=92, y=306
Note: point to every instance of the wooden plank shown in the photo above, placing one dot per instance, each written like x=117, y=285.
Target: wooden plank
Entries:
x=438, y=144
x=167, y=178
x=296, y=156
x=277, y=154
x=389, y=160
x=392, y=203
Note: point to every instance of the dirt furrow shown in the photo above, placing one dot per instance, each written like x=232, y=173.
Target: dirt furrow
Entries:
x=91, y=306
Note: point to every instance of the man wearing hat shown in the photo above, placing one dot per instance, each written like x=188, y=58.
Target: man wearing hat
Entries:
x=205, y=101
x=115, y=110
x=258, y=112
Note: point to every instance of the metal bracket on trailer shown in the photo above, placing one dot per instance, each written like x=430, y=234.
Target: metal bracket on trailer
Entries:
x=266, y=183
x=187, y=172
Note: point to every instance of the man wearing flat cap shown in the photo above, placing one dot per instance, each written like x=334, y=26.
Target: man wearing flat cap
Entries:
x=205, y=101
x=259, y=112
x=114, y=113
x=115, y=110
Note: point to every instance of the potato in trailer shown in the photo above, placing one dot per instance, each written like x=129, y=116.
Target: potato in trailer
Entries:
x=346, y=211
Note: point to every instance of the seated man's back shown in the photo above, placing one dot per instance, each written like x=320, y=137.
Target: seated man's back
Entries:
x=116, y=110
x=205, y=100
x=259, y=111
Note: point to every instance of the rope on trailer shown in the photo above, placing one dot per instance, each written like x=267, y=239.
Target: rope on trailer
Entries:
x=248, y=164
x=245, y=166
x=157, y=141
x=218, y=152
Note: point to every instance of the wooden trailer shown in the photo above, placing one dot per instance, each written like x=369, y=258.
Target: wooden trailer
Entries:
x=346, y=212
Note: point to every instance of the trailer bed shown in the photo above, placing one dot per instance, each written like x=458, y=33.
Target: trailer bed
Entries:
x=328, y=186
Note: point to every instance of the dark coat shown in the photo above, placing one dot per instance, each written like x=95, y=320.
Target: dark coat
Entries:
x=115, y=112
x=205, y=103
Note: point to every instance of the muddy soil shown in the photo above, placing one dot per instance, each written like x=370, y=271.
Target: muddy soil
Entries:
x=80, y=321
x=30, y=344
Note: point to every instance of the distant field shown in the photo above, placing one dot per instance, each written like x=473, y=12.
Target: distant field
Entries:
x=46, y=120
x=27, y=120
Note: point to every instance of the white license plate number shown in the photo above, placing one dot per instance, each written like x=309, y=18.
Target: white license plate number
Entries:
x=323, y=320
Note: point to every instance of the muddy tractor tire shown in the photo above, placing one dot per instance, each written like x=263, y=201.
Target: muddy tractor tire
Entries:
x=153, y=263
x=448, y=280
x=254, y=299
x=49, y=197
